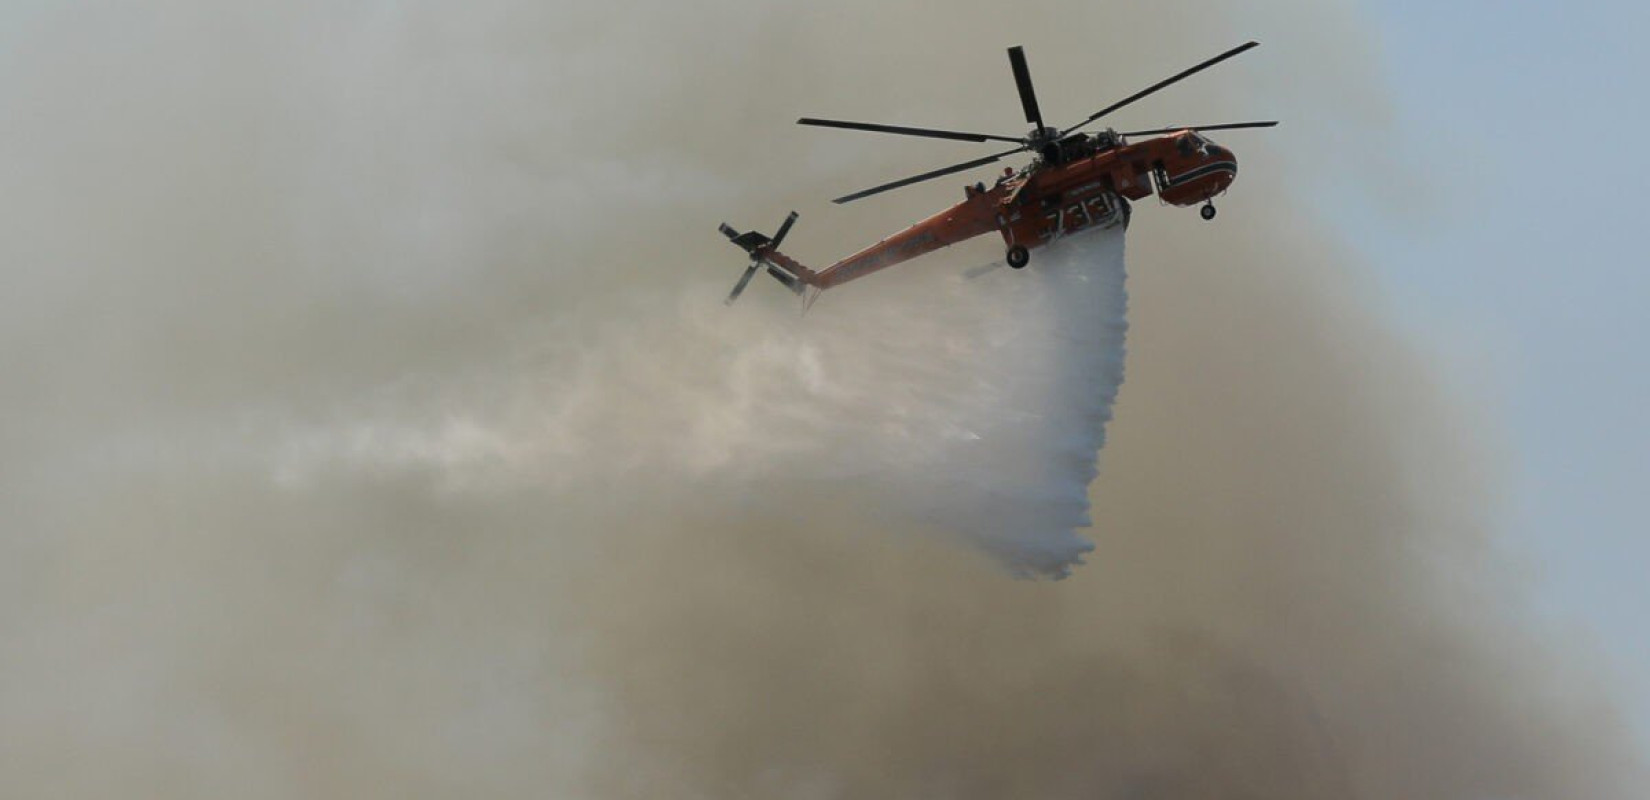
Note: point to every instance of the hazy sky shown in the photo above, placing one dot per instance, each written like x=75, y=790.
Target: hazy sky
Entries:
x=1529, y=275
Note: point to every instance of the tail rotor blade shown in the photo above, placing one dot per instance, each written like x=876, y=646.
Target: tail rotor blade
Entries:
x=1022, y=81
x=784, y=228
x=744, y=280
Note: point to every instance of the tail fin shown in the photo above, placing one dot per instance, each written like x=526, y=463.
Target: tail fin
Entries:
x=764, y=252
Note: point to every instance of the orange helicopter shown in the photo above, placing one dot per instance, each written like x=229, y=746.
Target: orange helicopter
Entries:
x=1075, y=182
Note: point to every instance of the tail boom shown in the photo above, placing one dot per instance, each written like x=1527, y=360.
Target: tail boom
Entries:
x=784, y=263
x=979, y=214
x=972, y=217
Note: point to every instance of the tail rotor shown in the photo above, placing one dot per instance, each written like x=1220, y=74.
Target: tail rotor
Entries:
x=759, y=246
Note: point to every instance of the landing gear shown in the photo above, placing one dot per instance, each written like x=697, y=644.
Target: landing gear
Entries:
x=1207, y=211
x=1018, y=256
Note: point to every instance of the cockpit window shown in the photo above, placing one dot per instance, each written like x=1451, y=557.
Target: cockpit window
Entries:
x=1193, y=142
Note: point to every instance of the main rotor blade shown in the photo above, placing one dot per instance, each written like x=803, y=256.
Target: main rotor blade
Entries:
x=907, y=131
x=1162, y=84
x=1225, y=126
x=978, y=162
x=1022, y=80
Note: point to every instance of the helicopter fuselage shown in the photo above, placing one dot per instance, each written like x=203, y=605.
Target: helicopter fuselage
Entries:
x=1045, y=202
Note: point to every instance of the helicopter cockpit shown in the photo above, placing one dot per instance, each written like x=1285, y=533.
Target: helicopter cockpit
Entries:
x=1190, y=142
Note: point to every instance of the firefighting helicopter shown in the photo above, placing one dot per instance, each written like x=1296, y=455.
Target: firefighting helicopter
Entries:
x=1075, y=181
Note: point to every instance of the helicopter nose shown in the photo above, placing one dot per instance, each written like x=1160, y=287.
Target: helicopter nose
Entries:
x=1223, y=162
x=1225, y=159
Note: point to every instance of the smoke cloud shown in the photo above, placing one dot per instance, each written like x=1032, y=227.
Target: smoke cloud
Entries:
x=374, y=427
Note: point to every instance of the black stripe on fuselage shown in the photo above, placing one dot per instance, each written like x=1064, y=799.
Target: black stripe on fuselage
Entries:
x=1206, y=169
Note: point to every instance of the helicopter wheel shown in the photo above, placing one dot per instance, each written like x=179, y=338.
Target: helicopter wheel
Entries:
x=1207, y=211
x=1018, y=256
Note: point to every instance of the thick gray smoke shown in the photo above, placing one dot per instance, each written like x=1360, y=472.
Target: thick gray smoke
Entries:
x=374, y=428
